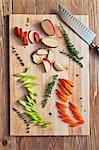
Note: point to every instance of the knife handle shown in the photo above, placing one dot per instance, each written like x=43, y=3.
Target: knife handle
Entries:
x=96, y=47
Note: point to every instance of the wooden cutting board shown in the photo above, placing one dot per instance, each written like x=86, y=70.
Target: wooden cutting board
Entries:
x=79, y=76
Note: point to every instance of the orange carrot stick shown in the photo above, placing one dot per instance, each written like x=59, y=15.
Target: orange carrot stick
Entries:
x=61, y=95
x=63, y=117
x=75, y=124
x=75, y=112
x=62, y=105
x=64, y=114
x=66, y=85
x=68, y=121
x=73, y=106
x=77, y=115
x=61, y=108
x=69, y=82
x=66, y=117
x=64, y=89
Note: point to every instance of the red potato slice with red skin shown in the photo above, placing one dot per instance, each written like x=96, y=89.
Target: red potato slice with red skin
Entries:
x=31, y=36
x=42, y=56
x=49, y=42
x=42, y=51
x=18, y=31
x=51, y=56
x=58, y=66
x=47, y=64
x=37, y=37
x=25, y=38
x=36, y=59
x=22, y=35
x=48, y=27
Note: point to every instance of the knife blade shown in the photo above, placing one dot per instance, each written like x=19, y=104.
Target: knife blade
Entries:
x=77, y=26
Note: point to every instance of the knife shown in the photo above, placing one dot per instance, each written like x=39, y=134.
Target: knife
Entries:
x=77, y=26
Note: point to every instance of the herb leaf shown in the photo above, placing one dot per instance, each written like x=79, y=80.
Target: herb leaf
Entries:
x=48, y=91
x=73, y=53
x=24, y=118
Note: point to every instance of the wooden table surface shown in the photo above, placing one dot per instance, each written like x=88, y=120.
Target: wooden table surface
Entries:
x=90, y=7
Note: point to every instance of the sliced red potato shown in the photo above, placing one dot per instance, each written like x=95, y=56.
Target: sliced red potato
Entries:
x=48, y=27
x=31, y=36
x=50, y=42
x=18, y=31
x=25, y=38
x=58, y=67
x=36, y=59
x=47, y=64
x=37, y=37
x=42, y=56
x=42, y=52
x=51, y=56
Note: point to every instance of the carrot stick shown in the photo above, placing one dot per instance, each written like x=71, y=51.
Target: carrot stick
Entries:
x=64, y=114
x=69, y=82
x=73, y=106
x=62, y=96
x=62, y=105
x=61, y=108
x=64, y=89
x=66, y=85
x=75, y=112
x=68, y=121
x=75, y=124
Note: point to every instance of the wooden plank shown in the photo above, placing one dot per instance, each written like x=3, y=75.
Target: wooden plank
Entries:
x=7, y=7
x=81, y=82
x=4, y=94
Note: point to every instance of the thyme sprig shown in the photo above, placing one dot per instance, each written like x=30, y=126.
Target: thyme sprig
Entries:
x=73, y=52
x=17, y=56
x=48, y=91
x=24, y=118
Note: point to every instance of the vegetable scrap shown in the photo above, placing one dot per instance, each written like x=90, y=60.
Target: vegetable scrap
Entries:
x=29, y=103
x=48, y=91
x=22, y=35
x=73, y=53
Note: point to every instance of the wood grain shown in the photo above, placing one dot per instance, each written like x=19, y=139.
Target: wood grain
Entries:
x=90, y=7
x=81, y=82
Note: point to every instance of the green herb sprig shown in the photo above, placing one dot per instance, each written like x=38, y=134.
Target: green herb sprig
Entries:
x=24, y=118
x=48, y=91
x=73, y=52
x=17, y=56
